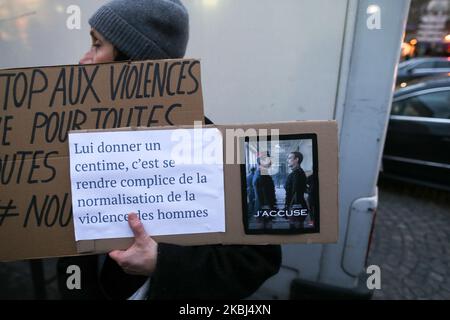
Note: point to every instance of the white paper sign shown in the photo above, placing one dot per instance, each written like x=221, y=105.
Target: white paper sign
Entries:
x=173, y=180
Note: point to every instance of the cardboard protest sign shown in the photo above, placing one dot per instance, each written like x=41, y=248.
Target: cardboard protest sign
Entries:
x=39, y=106
x=294, y=201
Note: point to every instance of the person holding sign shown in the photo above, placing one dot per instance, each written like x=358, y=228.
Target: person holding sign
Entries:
x=159, y=29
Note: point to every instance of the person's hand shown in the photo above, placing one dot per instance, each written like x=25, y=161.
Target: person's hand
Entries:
x=140, y=258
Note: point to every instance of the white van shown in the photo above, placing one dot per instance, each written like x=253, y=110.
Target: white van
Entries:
x=309, y=60
x=266, y=61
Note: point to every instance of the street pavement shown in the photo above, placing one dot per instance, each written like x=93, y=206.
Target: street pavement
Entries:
x=411, y=242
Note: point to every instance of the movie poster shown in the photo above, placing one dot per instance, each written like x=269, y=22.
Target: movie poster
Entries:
x=280, y=185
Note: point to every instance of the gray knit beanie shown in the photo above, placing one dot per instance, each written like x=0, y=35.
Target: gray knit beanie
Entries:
x=144, y=29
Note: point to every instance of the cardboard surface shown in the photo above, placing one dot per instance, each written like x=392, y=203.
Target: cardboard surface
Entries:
x=326, y=132
x=39, y=106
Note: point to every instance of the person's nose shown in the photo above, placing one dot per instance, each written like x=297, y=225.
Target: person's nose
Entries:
x=88, y=58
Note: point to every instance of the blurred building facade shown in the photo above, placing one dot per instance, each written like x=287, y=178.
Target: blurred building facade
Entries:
x=428, y=29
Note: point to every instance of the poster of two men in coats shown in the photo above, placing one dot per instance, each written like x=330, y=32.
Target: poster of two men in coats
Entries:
x=280, y=186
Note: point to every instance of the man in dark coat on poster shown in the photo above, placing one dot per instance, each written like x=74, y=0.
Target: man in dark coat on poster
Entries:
x=251, y=192
x=295, y=188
